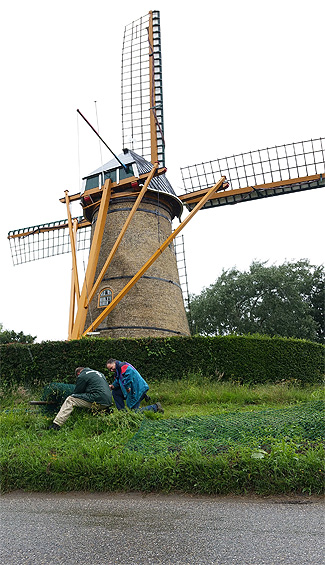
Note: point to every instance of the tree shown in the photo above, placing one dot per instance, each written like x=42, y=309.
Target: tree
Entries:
x=10, y=336
x=285, y=300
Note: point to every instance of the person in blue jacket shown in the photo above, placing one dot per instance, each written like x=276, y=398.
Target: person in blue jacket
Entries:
x=130, y=386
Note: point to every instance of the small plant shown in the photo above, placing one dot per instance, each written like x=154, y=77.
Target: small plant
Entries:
x=219, y=375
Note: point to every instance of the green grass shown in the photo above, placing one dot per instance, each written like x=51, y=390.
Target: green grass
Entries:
x=91, y=451
x=199, y=396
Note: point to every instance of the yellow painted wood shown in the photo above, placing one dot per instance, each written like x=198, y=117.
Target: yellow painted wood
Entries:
x=195, y=196
x=83, y=224
x=123, y=182
x=189, y=197
x=279, y=183
x=72, y=289
x=92, y=262
x=122, y=232
x=153, y=258
x=73, y=246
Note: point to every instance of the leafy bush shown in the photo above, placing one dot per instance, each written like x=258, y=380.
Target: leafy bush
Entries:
x=247, y=359
x=10, y=336
x=285, y=300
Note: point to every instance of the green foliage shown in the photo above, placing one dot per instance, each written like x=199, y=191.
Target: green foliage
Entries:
x=248, y=359
x=55, y=393
x=10, y=336
x=89, y=452
x=285, y=300
x=197, y=395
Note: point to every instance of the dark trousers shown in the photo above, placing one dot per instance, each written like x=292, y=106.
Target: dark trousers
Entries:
x=118, y=398
x=120, y=404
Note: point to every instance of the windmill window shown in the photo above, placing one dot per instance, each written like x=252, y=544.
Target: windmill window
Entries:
x=126, y=173
x=110, y=175
x=92, y=182
x=105, y=298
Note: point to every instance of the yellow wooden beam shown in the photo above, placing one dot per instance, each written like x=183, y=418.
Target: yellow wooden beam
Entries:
x=279, y=183
x=73, y=246
x=92, y=261
x=73, y=288
x=122, y=232
x=192, y=197
x=196, y=196
x=82, y=224
x=153, y=258
x=123, y=182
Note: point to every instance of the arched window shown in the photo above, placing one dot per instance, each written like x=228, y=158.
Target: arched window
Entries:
x=105, y=298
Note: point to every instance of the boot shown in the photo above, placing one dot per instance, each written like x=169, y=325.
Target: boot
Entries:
x=54, y=427
x=159, y=407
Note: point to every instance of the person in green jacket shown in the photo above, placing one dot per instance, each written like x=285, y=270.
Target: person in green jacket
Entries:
x=91, y=387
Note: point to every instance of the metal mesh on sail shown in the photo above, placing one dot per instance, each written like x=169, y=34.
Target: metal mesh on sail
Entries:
x=138, y=54
x=268, y=171
x=45, y=240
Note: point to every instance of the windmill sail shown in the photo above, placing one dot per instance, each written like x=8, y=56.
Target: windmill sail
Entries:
x=46, y=240
x=142, y=97
x=267, y=172
x=129, y=206
x=179, y=247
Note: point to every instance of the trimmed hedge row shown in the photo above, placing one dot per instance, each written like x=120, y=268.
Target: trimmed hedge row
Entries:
x=248, y=359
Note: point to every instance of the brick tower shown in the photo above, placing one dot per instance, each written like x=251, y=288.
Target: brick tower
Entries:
x=154, y=306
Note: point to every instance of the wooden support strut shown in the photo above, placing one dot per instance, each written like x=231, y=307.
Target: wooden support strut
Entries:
x=92, y=261
x=153, y=258
x=92, y=289
x=122, y=232
x=73, y=246
x=73, y=286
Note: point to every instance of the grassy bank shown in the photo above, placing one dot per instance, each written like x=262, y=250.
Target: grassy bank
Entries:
x=247, y=449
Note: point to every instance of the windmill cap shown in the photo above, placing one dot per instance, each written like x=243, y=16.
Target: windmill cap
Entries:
x=128, y=157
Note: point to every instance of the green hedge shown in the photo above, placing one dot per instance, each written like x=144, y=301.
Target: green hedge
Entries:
x=249, y=359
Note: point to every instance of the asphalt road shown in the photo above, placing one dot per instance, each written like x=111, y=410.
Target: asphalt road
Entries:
x=103, y=529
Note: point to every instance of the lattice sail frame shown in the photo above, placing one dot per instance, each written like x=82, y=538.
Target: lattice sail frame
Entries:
x=141, y=88
x=45, y=240
x=265, y=172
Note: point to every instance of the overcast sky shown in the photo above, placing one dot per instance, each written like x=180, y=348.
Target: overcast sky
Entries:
x=237, y=76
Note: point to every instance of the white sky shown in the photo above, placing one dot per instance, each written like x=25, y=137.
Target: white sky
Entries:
x=237, y=76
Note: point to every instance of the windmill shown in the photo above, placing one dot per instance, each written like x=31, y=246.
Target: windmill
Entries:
x=132, y=283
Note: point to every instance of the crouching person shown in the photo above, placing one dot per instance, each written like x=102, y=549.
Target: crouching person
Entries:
x=91, y=387
x=130, y=386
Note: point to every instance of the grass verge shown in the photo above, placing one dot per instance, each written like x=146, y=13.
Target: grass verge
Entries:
x=90, y=452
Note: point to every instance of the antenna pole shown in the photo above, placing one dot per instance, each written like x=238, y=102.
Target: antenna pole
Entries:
x=96, y=132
